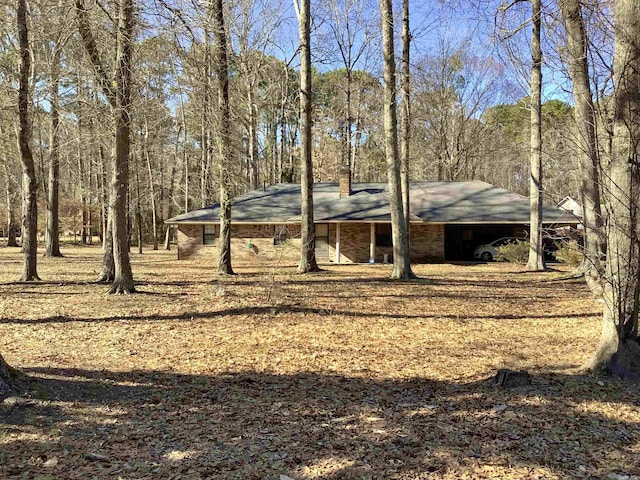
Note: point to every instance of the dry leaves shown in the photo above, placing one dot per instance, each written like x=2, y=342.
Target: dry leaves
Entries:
x=338, y=375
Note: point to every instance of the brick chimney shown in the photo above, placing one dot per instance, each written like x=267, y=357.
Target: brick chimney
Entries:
x=344, y=176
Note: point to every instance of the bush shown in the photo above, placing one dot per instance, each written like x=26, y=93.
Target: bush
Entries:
x=514, y=252
x=570, y=253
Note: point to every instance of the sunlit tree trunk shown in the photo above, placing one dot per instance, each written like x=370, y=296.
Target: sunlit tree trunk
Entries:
x=224, y=140
x=9, y=193
x=589, y=161
x=307, y=235
x=619, y=349
x=536, y=254
x=406, y=113
x=29, y=185
x=253, y=137
x=118, y=93
x=123, y=280
x=152, y=193
x=53, y=223
x=401, y=260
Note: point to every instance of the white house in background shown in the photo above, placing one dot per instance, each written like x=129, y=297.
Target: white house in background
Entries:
x=571, y=205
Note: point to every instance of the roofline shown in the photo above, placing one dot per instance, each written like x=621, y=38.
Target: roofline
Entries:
x=415, y=222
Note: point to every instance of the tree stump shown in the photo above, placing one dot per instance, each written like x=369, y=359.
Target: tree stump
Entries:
x=506, y=378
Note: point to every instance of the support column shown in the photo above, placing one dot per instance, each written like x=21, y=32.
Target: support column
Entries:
x=372, y=244
x=337, y=243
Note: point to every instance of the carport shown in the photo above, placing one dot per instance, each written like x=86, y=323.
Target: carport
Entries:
x=461, y=239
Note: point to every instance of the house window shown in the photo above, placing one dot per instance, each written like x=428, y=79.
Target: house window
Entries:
x=280, y=234
x=209, y=234
x=383, y=235
x=322, y=240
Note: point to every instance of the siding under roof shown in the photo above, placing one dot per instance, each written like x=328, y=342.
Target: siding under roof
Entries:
x=431, y=202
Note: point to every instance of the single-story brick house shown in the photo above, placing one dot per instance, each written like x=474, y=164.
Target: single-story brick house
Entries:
x=448, y=220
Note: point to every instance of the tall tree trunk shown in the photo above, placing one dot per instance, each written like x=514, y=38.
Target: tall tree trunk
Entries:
x=401, y=260
x=589, y=161
x=138, y=212
x=207, y=142
x=152, y=193
x=29, y=184
x=307, y=239
x=169, y=199
x=224, y=139
x=53, y=223
x=349, y=122
x=536, y=253
x=619, y=349
x=253, y=137
x=80, y=152
x=104, y=200
x=406, y=113
x=123, y=281
x=9, y=193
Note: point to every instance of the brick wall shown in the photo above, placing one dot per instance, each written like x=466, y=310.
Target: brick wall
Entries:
x=254, y=243
x=249, y=243
x=427, y=243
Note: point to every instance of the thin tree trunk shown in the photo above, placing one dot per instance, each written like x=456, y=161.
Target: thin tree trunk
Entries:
x=53, y=223
x=619, y=349
x=104, y=200
x=29, y=184
x=253, y=138
x=9, y=192
x=589, y=161
x=406, y=113
x=138, y=211
x=169, y=200
x=308, y=242
x=80, y=152
x=401, y=260
x=349, y=123
x=152, y=199
x=224, y=139
x=536, y=253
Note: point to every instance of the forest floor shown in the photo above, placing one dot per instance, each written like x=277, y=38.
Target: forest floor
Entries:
x=337, y=375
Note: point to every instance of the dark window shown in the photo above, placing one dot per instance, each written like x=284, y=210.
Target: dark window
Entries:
x=209, y=234
x=383, y=235
x=280, y=234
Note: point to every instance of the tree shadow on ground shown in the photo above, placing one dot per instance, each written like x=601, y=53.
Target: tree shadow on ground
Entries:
x=258, y=425
x=280, y=309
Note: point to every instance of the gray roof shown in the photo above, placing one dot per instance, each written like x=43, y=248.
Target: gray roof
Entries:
x=431, y=202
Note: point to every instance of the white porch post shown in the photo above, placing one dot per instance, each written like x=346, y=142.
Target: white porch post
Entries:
x=372, y=244
x=337, y=243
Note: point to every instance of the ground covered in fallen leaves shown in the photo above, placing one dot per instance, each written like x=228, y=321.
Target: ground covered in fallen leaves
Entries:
x=337, y=375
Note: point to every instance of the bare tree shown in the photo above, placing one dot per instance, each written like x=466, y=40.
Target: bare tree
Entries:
x=308, y=243
x=29, y=184
x=619, y=349
x=118, y=94
x=10, y=191
x=405, y=85
x=224, y=139
x=587, y=148
x=53, y=207
x=536, y=252
x=401, y=260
